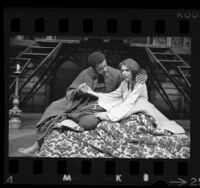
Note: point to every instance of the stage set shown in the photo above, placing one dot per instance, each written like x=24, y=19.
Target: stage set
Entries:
x=41, y=68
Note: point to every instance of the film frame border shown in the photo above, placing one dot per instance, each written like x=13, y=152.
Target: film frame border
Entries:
x=183, y=25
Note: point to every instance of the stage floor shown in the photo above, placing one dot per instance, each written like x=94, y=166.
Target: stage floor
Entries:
x=26, y=136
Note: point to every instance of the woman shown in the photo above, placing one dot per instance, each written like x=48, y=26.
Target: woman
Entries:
x=130, y=98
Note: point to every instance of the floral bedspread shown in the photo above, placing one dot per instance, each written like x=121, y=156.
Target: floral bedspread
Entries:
x=134, y=137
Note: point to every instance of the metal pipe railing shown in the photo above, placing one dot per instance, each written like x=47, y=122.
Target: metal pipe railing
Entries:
x=36, y=84
x=169, y=76
x=38, y=67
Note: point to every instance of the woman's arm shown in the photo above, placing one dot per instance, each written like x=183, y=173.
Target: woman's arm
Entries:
x=115, y=94
x=91, y=92
x=120, y=111
x=109, y=100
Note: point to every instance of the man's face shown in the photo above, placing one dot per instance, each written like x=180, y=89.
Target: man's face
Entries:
x=101, y=68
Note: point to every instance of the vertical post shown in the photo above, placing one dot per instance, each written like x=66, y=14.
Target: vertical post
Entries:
x=15, y=112
x=148, y=40
x=169, y=41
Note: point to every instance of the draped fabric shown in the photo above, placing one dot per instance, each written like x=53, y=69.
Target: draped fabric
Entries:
x=134, y=137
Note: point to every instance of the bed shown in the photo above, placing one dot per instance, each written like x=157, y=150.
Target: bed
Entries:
x=134, y=137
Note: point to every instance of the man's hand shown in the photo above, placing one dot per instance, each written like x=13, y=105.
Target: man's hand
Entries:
x=141, y=78
x=103, y=116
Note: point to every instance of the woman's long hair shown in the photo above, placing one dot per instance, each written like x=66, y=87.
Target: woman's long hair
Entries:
x=133, y=66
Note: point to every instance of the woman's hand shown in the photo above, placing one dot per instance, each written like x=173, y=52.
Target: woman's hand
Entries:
x=83, y=87
x=103, y=116
x=91, y=92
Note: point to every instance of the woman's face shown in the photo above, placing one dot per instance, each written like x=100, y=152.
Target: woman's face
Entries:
x=126, y=73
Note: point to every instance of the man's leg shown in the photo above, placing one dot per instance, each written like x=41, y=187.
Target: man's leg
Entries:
x=89, y=122
x=32, y=149
x=54, y=109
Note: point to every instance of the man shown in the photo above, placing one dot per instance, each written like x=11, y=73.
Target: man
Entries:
x=77, y=104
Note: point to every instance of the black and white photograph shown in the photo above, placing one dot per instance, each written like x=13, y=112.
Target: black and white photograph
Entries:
x=99, y=96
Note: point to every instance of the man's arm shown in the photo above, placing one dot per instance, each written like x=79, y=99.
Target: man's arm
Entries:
x=75, y=88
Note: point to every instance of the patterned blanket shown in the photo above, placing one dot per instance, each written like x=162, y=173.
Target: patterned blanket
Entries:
x=134, y=137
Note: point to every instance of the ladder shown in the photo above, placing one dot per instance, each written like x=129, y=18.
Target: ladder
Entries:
x=174, y=67
x=36, y=60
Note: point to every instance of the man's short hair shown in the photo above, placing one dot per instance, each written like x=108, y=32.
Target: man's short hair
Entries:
x=95, y=58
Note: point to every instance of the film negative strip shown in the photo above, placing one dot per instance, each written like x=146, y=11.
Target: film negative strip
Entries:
x=45, y=50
